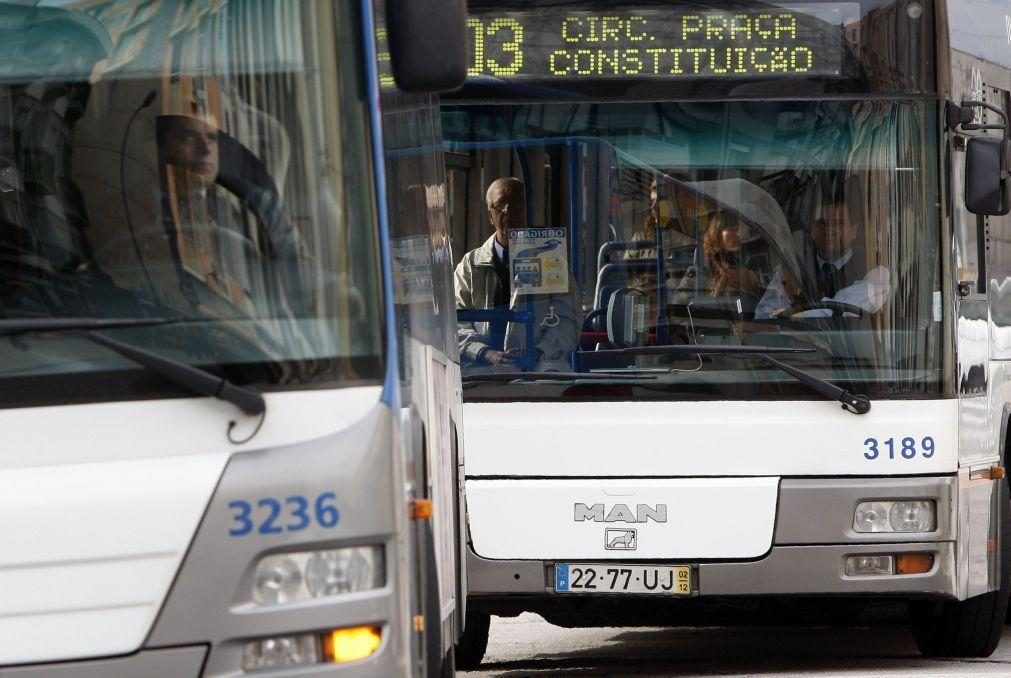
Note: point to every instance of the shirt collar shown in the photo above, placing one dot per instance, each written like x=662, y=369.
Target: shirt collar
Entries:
x=838, y=263
x=499, y=250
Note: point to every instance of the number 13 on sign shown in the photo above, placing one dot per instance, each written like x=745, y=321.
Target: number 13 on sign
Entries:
x=503, y=32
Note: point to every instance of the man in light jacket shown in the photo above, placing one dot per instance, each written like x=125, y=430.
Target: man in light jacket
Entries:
x=483, y=282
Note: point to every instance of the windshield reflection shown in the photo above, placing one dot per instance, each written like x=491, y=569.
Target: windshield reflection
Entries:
x=150, y=171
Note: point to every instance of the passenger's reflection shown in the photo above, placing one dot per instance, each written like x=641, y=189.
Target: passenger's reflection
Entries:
x=226, y=231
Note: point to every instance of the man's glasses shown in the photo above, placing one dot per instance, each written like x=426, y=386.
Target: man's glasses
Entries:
x=501, y=205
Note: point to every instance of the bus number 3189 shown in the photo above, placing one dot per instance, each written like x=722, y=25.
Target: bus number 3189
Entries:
x=899, y=448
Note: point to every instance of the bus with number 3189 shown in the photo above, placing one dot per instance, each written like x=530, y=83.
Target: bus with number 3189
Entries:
x=787, y=324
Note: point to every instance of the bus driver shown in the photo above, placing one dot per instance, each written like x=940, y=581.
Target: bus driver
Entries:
x=840, y=276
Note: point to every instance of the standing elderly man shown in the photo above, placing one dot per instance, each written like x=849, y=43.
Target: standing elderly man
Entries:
x=483, y=281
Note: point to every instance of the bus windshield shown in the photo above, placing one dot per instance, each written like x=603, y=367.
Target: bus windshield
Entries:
x=807, y=224
x=161, y=161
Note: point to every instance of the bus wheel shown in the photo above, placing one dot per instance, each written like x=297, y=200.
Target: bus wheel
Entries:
x=449, y=664
x=474, y=640
x=972, y=627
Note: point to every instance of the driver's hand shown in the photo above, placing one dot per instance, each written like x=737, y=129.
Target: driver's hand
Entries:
x=813, y=313
x=501, y=357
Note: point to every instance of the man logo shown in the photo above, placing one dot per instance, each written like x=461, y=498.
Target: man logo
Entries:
x=620, y=513
x=620, y=540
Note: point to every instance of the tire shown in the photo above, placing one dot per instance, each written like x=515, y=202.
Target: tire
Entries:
x=449, y=664
x=474, y=639
x=972, y=627
x=434, y=660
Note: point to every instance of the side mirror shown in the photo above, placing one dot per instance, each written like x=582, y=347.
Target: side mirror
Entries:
x=627, y=318
x=428, y=44
x=986, y=185
x=986, y=160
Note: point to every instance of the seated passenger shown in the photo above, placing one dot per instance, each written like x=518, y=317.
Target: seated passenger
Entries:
x=483, y=282
x=722, y=274
x=835, y=274
x=660, y=218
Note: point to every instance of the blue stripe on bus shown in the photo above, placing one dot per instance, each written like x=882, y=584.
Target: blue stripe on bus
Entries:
x=391, y=383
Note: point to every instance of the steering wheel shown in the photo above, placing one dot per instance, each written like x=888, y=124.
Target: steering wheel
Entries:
x=838, y=308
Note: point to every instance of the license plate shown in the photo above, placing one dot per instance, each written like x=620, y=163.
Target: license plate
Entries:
x=617, y=578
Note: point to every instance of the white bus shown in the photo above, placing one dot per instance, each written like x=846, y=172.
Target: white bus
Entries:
x=789, y=264
x=229, y=376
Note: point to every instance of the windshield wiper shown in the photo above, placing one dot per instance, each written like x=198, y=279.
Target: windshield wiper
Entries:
x=550, y=376
x=9, y=326
x=696, y=349
x=851, y=402
x=247, y=399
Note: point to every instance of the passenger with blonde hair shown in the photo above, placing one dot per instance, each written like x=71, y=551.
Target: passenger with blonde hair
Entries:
x=722, y=273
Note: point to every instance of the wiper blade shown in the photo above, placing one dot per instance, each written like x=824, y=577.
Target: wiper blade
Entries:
x=851, y=402
x=11, y=326
x=696, y=349
x=549, y=376
x=247, y=399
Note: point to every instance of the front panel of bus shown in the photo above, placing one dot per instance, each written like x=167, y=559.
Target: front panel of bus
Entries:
x=189, y=209
x=750, y=202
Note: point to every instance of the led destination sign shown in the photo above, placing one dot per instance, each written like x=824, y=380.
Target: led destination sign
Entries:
x=781, y=39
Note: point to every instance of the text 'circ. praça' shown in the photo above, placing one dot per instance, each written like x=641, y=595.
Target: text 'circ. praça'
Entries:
x=655, y=44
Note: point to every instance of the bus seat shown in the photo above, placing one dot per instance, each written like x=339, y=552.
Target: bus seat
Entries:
x=605, y=254
x=614, y=275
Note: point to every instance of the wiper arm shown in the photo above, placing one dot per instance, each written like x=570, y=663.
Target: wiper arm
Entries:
x=851, y=402
x=247, y=399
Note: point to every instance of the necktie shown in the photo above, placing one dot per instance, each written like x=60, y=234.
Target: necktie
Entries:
x=828, y=274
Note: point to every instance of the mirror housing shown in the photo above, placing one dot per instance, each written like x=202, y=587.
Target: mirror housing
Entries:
x=627, y=318
x=428, y=44
x=986, y=184
x=987, y=162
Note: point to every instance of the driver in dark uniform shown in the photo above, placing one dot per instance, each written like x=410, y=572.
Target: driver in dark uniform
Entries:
x=838, y=275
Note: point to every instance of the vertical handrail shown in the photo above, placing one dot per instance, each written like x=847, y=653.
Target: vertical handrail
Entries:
x=574, y=211
x=661, y=288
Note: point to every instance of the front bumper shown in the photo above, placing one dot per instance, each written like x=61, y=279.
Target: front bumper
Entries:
x=177, y=661
x=813, y=538
x=785, y=570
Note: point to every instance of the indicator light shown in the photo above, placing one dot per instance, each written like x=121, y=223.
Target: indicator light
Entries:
x=351, y=644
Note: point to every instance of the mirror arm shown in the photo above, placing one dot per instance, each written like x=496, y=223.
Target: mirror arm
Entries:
x=1005, y=161
x=983, y=104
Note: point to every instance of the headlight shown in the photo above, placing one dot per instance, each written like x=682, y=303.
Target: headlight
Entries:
x=895, y=516
x=289, y=577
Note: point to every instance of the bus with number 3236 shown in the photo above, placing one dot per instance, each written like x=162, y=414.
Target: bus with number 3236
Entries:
x=229, y=385
x=784, y=383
